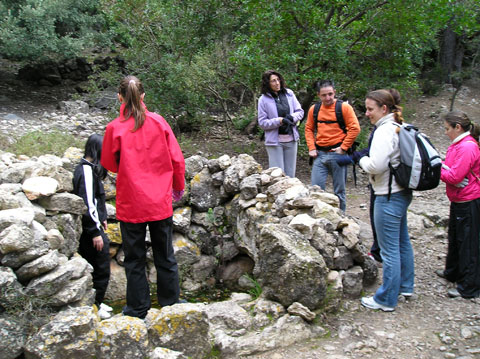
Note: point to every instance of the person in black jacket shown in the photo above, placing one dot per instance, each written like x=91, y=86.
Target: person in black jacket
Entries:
x=94, y=243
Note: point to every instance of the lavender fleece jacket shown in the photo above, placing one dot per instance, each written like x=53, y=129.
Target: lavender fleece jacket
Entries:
x=268, y=118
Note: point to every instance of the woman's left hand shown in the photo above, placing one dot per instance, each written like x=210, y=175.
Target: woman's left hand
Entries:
x=98, y=243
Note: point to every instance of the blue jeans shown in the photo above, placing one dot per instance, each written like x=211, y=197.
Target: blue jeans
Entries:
x=395, y=247
x=283, y=156
x=325, y=163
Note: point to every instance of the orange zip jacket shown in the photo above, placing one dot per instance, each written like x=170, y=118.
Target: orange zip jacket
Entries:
x=329, y=134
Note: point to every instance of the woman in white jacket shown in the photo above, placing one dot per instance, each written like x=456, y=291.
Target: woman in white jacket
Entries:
x=390, y=210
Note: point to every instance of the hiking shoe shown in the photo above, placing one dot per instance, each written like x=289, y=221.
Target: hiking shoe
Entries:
x=105, y=307
x=407, y=294
x=370, y=303
x=440, y=273
x=453, y=293
x=103, y=314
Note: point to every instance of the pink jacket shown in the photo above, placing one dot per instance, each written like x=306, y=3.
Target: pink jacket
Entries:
x=462, y=156
x=149, y=163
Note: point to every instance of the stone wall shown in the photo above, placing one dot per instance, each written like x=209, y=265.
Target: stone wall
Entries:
x=234, y=220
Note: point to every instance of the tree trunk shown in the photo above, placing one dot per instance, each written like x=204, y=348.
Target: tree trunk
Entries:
x=451, y=53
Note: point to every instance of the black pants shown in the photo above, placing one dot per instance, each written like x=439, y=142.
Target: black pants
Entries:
x=138, y=290
x=463, y=256
x=100, y=261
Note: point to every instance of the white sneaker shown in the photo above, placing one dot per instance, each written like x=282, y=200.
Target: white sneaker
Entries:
x=103, y=314
x=106, y=307
x=370, y=303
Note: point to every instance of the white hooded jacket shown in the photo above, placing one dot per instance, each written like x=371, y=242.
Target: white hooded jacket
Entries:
x=383, y=150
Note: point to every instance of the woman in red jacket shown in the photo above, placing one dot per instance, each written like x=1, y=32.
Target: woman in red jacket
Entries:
x=142, y=148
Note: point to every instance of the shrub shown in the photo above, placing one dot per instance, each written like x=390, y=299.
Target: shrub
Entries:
x=39, y=143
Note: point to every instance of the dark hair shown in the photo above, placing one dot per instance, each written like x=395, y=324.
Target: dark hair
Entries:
x=390, y=98
x=266, y=81
x=131, y=90
x=93, y=149
x=458, y=117
x=320, y=84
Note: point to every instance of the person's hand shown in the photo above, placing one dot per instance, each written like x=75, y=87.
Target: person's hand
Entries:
x=98, y=243
x=313, y=153
x=463, y=183
x=338, y=150
x=357, y=155
x=104, y=224
x=177, y=195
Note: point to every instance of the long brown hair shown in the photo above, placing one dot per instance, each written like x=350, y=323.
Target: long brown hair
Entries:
x=390, y=98
x=454, y=117
x=266, y=81
x=131, y=90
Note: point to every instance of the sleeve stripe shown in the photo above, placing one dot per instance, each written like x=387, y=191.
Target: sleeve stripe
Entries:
x=91, y=201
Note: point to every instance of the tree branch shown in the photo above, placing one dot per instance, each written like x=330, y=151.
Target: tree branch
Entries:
x=330, y=15
x=299, y=24
x=362, y=35
x=361, y=13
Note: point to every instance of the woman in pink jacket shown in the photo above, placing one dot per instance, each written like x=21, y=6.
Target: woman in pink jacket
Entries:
x=461, y=173
x=142, y=148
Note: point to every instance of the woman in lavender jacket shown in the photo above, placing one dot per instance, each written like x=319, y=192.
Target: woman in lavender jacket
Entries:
x=279, y=112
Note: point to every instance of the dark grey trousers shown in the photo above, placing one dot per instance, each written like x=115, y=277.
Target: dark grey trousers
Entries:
x=463, y=256
x=138, y=290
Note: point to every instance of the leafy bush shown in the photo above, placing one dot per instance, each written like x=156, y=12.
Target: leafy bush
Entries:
x=36, y=30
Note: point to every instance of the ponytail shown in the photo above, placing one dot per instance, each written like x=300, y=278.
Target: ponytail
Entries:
x=131, y=90
x=475, y=130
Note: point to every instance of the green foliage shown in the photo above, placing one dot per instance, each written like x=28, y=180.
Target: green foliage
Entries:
x=256, y=290
x=38, y=143
x=214, y=353
x=36, y=30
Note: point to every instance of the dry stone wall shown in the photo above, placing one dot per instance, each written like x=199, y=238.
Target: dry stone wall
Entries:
x=235, y=219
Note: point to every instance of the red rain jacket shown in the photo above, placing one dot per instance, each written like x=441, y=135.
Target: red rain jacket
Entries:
x=149, y=163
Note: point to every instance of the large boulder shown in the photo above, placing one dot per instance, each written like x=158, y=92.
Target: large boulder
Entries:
x=289, y=269
x=122, y=337
x=71, y=334
x=181, y=327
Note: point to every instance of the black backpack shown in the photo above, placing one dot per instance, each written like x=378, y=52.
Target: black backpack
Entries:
x=338, y=115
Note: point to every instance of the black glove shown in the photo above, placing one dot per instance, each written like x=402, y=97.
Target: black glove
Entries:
x=343, y=160
x=287, y=125
x=357, y=155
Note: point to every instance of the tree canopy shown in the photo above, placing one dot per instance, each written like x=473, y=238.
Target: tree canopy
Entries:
x=209, y=54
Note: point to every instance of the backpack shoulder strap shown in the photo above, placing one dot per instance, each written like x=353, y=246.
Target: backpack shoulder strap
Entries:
x=339, y=115
x=316, y=110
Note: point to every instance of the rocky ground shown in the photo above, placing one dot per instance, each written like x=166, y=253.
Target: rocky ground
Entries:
x=430, y=325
